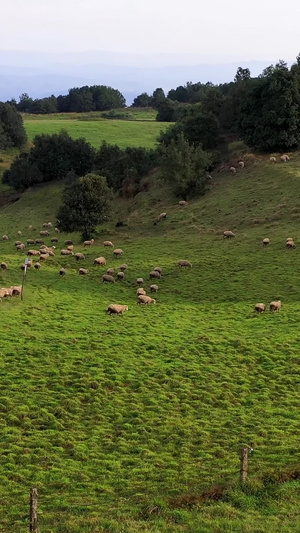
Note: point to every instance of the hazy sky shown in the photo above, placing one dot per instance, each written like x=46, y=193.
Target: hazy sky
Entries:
x=225, y=29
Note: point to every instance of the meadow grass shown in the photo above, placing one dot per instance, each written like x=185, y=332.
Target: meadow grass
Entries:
x=134, y=423
x=138, y=131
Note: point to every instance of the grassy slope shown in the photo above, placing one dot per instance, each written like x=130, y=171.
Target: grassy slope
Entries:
x=123, y=422
x=140, y=130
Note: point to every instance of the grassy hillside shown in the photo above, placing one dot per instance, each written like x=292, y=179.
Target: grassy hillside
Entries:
x=134, y=423
x=140, y=128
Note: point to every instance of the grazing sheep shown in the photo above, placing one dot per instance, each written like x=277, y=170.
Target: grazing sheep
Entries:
x=83, y=272
x=154, y=288
x=37, y=266
x=57, y=230
x=70, y=248
x=33, y=252
x=232, y=170
x=54, y=239
x=43, y=247
x=284, y=158
x=4, y=293
x=184, y=263
x=162, y=216
x=110, y=271
x=47, y=225
x=275, y=306
x=52, y=254
x=43, y=257
x=44, y=233
x=67, y=243
x=62, y=272
x=100, y=261
x=31, y=227
x=79, y=256
x=108, y=243
x=16, y=290
x=5, y=238
x=117, y=252
x=140, y=281
x=142, y=299
x=260, y=308
x=241, y=164
x=120, y=275
x=158, y=269
x=3, y=266
x=228, y=234
x=20, y=247
x=18, y=242
x=266, y=242
x=117, y=309
x=107, y=279
x=39, y=241
x=182, y=203
x=88, y=243
x=141, y=291
x=290, y=244
x=19, y=233
x=272, y=159
x=154, y=274
x=123, y=268
x=66, y=252
x=30, y=241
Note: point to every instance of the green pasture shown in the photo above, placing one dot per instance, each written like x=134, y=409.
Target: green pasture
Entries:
x=134, y=423
x=140, y=128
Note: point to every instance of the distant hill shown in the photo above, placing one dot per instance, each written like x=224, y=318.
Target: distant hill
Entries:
x=43, y=74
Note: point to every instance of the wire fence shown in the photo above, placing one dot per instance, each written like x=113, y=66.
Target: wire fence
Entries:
x=273, y=463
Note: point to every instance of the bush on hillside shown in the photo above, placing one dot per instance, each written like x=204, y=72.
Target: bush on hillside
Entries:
x=12, y=132
x=51, y=158
x=185, y=167
x=116, y=164
x=86, y=203
x=198, y=128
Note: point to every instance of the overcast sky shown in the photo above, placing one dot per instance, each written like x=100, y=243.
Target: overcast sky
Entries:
x=214, y=29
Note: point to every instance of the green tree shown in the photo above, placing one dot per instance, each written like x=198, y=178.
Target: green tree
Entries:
x=166, y=111
x=142, y=100
x=158, y=97
x=185, y=167
x=23, y=173
x=86, y=204
x=105, y=98
x=270, y=114
x=12, y=132
x=51, y=158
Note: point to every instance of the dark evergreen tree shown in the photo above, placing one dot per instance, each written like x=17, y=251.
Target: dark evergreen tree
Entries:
x=85, y=204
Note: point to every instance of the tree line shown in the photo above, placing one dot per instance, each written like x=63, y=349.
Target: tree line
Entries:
x=78, y=100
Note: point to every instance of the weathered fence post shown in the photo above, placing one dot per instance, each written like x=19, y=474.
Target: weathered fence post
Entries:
x=33, y=528
x=244, y=464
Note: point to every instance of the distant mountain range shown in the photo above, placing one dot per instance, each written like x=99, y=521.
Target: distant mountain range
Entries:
x=40, y=74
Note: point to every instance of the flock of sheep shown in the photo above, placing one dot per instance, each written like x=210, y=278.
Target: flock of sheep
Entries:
x=44, y=252
x=275, y=305
x=284, y=158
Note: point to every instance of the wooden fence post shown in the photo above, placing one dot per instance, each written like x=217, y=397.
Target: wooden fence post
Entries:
x=33, y=528
x=244, y=464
